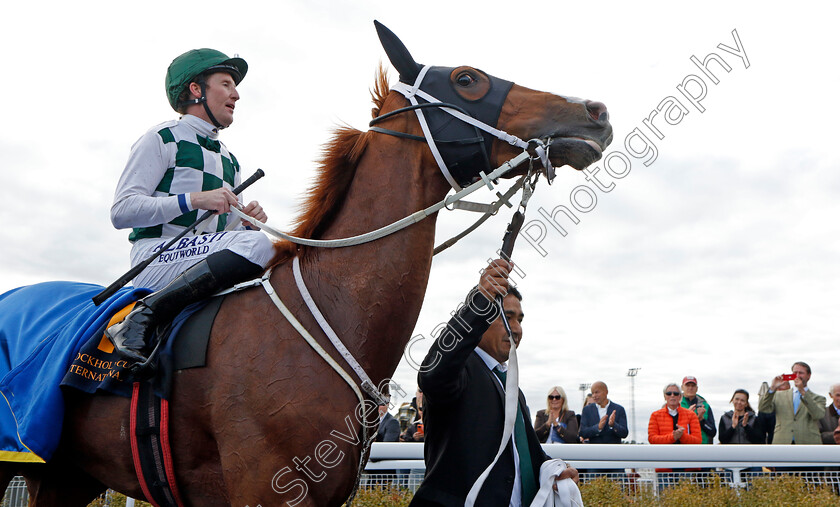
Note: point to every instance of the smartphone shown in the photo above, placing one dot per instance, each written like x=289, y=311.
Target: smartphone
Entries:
x=788, y=376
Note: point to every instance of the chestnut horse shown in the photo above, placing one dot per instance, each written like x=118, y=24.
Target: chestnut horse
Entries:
x=267, y=421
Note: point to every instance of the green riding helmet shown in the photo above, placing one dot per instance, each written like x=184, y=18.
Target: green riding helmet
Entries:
x=186, y=67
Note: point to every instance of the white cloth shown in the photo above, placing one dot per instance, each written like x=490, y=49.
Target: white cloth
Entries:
x=567, y=494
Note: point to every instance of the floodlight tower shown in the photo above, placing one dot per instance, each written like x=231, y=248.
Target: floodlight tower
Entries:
x=583, y=388
x=632, y=372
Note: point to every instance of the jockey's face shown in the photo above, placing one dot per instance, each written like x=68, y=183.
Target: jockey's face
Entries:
x=221, y=98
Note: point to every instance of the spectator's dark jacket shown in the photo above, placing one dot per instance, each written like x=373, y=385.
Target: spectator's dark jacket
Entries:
x=610, y=434
x=828, y=424
x=766, y=423
x=569, y=434
x=749, y=434
x=389, y=429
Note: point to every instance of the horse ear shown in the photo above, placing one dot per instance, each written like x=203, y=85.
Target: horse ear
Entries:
x=400, y=58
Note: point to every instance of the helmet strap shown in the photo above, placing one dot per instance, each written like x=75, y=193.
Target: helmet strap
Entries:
x=203, y=101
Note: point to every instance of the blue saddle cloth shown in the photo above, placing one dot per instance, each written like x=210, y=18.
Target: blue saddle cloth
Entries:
x=43, y=329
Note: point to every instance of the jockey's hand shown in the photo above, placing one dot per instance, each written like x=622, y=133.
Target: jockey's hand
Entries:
x=253, y=209
x=219, y=200
x=494, y=278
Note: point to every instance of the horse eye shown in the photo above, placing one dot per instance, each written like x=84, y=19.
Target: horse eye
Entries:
x=464, y=79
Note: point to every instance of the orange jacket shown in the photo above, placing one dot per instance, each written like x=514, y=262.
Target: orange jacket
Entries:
x=661, y=427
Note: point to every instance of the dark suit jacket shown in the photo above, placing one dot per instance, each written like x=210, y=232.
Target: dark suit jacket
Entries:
x=828, y=424
x=464, y=417
x=389, y=429
x=609, y=435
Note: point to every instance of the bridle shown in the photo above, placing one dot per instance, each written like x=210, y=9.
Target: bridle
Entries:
x=454, y=152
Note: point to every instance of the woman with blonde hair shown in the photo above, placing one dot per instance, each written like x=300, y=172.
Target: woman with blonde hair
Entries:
x=556, y=423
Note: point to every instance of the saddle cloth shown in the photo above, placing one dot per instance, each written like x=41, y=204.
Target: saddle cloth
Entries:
x=51, y=336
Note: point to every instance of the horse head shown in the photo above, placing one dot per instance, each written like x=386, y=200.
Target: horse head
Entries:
x=575, y=131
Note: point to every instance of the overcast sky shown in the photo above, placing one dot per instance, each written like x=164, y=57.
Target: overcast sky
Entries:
x=719, y=259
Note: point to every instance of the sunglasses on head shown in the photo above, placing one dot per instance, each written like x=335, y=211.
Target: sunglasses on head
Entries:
x=672, y=393
x=554, y=397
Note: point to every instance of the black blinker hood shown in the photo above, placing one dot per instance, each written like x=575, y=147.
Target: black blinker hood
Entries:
x=465, y=148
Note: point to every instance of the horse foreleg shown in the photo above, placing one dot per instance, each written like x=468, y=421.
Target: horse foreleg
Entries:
x=53, y=485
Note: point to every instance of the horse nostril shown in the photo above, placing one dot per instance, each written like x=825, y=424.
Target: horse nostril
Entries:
x=597, y=110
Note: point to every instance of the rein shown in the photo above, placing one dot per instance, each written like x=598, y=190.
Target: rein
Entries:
x=399, y=224
x=533, y=149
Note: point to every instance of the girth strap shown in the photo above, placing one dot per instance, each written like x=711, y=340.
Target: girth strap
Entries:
x=150, y=449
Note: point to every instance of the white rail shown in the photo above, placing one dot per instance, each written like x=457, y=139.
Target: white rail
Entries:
x=400, y=455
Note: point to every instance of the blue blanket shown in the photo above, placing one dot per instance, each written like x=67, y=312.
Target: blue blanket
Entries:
x=43, y=328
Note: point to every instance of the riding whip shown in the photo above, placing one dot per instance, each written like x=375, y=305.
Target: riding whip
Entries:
x=128, y=276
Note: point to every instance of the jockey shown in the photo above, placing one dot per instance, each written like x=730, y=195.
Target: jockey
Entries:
x=174, y=170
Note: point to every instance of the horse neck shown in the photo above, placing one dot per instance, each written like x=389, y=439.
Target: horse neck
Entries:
x=372, y=293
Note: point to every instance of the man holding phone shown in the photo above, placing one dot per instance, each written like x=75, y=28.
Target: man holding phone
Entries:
x=798, y=410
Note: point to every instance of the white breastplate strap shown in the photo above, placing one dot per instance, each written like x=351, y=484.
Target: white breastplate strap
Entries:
x=511, y=407
x=396, y=226
x=266, y=283
x=366, y=439
x=367, y=385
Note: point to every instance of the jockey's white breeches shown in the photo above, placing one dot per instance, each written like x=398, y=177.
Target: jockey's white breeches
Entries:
x=253, y=245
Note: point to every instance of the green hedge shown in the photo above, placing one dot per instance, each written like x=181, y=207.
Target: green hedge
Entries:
x=764, y=491
x=602, y=492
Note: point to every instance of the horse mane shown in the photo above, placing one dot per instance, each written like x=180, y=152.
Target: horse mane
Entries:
x=336, y=170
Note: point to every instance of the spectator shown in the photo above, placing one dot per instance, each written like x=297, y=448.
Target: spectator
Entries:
x=739, y=426
x=603, y=421
x=697, y=404
x=556, y=424
x=829, y=425
x=389, y=427
x=765, y=422
x=414, y=429
x=798, y=411
x=586, y=401
x=673, y=424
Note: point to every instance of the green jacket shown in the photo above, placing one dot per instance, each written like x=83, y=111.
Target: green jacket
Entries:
x=707, y=422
